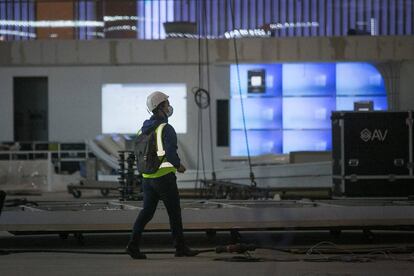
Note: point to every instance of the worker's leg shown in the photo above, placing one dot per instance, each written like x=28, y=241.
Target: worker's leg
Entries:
x=151, y=199
x=168, y=192
x=2, y=199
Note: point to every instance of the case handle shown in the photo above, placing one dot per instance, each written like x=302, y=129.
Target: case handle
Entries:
x=399, y=162
x=353, y=162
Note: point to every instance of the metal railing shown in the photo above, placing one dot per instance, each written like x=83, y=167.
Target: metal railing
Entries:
x=56, y=155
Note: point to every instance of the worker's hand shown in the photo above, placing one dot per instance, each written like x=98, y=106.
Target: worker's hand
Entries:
x=181, y=169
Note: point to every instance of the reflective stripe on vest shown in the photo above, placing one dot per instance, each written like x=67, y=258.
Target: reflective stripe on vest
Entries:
x=160, y=147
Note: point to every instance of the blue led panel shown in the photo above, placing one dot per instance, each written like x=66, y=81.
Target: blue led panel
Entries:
x=260, y=113
x=311, y=140
x=273, y=77
x=260, y=142
x=309, y=79
x=307, y=112
x=347, y=103
x=358, y=79
x=295, y=113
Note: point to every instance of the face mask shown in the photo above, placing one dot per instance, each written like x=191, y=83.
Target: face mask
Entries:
x=170, y=111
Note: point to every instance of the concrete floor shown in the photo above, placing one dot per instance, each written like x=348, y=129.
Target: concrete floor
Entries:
x=72, y=264
x=275, y=262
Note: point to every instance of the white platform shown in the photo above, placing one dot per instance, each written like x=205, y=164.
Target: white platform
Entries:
x=221, y=215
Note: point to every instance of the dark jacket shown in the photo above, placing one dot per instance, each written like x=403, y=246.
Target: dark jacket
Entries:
x=169, y=138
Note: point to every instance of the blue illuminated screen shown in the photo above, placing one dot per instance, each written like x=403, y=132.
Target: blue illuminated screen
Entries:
x=273, y=79
x=293, y=113
x=259, y=113
x=310, y=140
x=260, y=142
x=347, y=103
x=307, y=112
x=358, y=79
x=309, y=79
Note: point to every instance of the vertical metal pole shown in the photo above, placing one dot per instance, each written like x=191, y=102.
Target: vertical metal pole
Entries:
x=59, y=161
x=410, y=142
x=49, y=171
x=121, y=173
x=130, y=175
x=342, y=126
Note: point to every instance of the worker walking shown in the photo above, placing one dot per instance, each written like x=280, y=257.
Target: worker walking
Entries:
x=161, y=183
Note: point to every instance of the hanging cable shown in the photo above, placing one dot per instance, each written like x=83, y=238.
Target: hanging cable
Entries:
x=194, y=90
x=213, y=173
x=202, y=96
x=200, y=112
x=201, y=103
x=252, y=177
x=202, y=100
x=200, y=55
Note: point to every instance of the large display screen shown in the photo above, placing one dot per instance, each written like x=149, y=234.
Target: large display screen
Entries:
x=358, y=79
x=259, y=113
x=308, y=140
x=347, y=103
x=288, y=106
x=252, y=75
x=309, y=79
x=260, y=142
x=124, y=106
x=307, y=112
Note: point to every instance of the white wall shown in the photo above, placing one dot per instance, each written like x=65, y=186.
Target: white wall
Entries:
x=6, y=107
x=75, y=99
x=406, y=96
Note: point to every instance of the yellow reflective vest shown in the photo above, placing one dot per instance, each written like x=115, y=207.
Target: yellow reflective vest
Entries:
x=165, y=167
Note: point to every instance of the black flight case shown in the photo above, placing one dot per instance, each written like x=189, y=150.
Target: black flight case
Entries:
x=372, y=154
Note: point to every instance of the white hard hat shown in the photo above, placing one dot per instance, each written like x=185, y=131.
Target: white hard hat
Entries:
x=154, y=99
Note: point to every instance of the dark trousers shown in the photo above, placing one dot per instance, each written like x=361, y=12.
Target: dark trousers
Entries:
x=154, y=189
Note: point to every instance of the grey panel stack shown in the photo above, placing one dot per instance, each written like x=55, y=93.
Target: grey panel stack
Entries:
x=372, y=154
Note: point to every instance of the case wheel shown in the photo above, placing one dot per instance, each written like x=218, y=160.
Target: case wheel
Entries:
x=76, y=193
x=104, y=192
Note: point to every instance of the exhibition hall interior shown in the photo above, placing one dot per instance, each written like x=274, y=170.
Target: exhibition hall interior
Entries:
x=290, y=144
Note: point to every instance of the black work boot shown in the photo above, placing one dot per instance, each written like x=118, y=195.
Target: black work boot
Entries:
x=133, y=250
x=185, y=251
